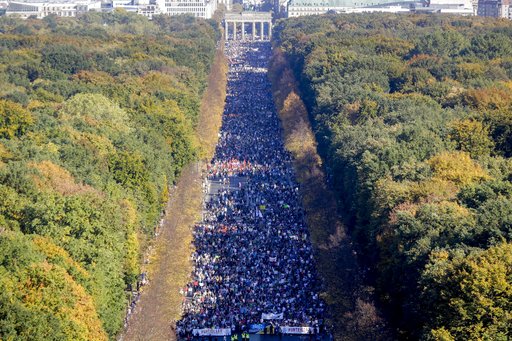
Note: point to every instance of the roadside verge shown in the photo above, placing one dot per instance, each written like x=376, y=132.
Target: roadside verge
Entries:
x=169, y=266
x=351, y=311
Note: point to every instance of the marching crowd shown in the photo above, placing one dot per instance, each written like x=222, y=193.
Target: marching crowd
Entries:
x=253, y=261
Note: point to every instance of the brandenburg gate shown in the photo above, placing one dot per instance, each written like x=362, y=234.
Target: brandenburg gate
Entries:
x=256, y=19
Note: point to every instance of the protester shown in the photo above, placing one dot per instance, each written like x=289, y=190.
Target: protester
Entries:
x=252, y=258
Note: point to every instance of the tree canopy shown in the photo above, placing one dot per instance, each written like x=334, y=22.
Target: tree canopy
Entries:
x=412, y=114
x=97, y=118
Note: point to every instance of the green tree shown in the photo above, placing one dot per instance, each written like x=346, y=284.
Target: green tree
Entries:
x=472, y=137
x=491, y=45
x=442, y=43
x=65, y=58
x=468, y=296
x=14, y=119
x=128, y=169
x=40, y=300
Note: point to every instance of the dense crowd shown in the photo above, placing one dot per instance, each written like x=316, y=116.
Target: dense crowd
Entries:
x=252, y=251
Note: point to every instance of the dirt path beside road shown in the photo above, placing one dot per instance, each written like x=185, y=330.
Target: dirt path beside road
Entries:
x=169, y=268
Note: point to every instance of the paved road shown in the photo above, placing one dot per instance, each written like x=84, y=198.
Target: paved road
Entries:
x=253, y=257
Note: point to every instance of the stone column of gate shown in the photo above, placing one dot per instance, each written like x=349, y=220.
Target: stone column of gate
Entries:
x=243, y=30
x=262, y=30
x=234, y=30
x=226, y=29
x=270, y=30
x=253, y=30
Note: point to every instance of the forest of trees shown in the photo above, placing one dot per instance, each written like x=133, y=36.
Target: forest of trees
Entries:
x=97, y=118
x=413, y=116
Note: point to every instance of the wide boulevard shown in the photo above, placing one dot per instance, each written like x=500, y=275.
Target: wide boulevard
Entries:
x=254, y=270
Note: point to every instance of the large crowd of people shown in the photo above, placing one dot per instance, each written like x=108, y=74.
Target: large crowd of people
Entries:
x=253, y=260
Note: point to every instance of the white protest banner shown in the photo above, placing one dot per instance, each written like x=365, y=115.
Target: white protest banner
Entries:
x=296, y=330
x=211, y=332
x=272, y=316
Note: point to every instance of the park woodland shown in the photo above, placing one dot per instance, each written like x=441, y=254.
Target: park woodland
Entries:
x=326, y=177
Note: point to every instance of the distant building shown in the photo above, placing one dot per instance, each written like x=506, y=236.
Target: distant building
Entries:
x=380, y=9
x=460, y=7
x=227, y=3
x=41, y=9
x=198, y=8
x=142, y=7
x=3, y=6
x=149, y=8
x=280, y=7
x=297, y=8
x=494, y=8
x=475, y=6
